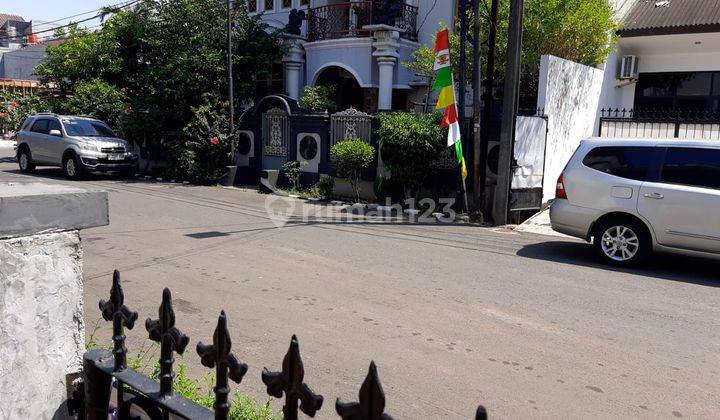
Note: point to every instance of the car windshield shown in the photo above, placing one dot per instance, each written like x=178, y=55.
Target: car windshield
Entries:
x=88, y=128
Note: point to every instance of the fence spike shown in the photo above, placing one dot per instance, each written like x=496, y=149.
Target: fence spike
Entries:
x=226, y=365
x=371, y=400
x=290, y=382
x=115, y=310
x=481, y=413
x=171, y=339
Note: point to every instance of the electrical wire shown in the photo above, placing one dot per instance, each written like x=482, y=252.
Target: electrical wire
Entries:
x=48, y=23
x=21, y=37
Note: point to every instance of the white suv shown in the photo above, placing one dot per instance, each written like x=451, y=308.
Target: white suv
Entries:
x=632, y=197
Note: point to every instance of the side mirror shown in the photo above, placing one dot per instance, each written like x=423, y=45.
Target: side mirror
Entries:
x=56, y=133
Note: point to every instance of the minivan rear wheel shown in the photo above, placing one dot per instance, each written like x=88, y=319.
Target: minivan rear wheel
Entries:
x=622, y=242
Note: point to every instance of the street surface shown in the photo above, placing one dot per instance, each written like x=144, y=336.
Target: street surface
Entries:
x=454, y=316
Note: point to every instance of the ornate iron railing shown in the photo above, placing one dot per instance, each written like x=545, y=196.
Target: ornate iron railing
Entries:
x=104, y=372
x=344, y=20
x=657, y=124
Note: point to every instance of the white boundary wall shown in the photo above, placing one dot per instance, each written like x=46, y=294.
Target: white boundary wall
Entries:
x=570, y=94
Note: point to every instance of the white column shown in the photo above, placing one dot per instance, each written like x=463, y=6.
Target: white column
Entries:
x=386, y=72
x=385, y=43
x=293, y=62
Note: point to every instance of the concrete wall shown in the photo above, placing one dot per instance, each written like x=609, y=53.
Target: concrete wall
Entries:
x=42, y=335
x=570, y=94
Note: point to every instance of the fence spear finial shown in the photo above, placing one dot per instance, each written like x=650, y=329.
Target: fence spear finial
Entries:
x=371, y=400
x=290, y=382
x=115, y=310
x=226, y=365
x=171, y=339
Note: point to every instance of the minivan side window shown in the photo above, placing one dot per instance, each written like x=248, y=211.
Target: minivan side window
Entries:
x=696, y=167
x=40, y=126
x=629, y=162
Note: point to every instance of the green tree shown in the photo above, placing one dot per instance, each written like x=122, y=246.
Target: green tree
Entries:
x=577, y=30
x=98, y=99
x=166, y=57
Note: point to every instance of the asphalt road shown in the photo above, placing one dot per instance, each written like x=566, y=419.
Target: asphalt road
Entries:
x=454, y=316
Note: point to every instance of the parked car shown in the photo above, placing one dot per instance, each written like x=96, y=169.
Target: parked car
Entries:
x=77, y=144
x=633, y=197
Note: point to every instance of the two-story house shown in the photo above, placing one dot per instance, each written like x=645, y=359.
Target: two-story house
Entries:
x=357, y=46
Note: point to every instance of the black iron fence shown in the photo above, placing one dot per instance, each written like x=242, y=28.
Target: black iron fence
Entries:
x=688, y=124
x=105, y=371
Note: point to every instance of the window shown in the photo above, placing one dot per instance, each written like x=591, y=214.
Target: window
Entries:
x=54, y=125
x=692, y=166
x=88, y=128
x=625, y=162
x=679, y=91
x=269, y=4
x=304, y=2
x=40, y=126
x=252, y=6
x=286, y=4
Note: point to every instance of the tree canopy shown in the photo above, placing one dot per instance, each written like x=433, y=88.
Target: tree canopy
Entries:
x=163, y=64
x=577, y=30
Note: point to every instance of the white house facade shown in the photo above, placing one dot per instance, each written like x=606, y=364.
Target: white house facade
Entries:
x=667, y=62
x=358, y=46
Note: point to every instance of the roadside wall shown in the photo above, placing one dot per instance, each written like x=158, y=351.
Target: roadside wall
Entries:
x=569, y=93
x=42, y=331
x=42, y=335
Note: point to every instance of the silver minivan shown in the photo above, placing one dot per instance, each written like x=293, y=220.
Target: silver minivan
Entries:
x=77, y=144
x=633, y=197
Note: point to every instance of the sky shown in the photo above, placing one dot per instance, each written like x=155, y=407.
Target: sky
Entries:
x=51, y=10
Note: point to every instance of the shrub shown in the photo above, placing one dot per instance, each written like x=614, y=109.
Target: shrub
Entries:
x=410, y=143
x=325, y=187
x=292, y=171
x=20, y=107
x=349, y=157
x=318, y=98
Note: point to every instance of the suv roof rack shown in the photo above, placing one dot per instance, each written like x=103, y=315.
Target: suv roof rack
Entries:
x=47, y=113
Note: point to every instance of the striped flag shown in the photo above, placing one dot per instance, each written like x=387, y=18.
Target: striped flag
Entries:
x=445, y=82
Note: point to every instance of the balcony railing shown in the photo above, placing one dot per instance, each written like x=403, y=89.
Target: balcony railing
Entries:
x=346, y=20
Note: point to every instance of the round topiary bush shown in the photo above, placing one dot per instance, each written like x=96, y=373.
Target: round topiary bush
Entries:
x=350, y=157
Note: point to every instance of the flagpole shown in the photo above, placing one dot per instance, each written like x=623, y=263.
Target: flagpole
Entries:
x=461, y=100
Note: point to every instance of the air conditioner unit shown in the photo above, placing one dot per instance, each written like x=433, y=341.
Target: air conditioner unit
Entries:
x=629, y=67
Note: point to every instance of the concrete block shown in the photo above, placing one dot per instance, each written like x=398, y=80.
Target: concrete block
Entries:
x=28, y=208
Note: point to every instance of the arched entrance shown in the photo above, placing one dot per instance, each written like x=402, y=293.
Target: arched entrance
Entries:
x=348, y=92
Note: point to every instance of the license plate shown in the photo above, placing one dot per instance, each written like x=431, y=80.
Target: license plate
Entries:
x=116, y=156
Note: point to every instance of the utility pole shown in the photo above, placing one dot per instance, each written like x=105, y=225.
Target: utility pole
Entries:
x=510, y=108
x=488, y=99
x=477, y=135
x=231, y=95
x=461, y=100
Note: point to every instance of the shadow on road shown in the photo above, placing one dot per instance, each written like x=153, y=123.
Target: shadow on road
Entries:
x=57, y=174
x=669, y=267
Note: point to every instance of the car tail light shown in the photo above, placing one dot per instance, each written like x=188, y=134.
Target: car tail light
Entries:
x=560, y=188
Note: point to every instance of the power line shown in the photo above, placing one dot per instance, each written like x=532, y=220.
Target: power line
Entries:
x=67, y=25
x=121, y=4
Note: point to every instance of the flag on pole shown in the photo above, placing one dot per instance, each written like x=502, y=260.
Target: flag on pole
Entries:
x=445, y=82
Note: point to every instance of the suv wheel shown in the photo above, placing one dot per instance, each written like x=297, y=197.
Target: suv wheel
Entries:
x=622, y=242
x=72, y=167
x=25, y=161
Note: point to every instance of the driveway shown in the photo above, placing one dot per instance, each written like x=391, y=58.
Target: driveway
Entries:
x=454, y=316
